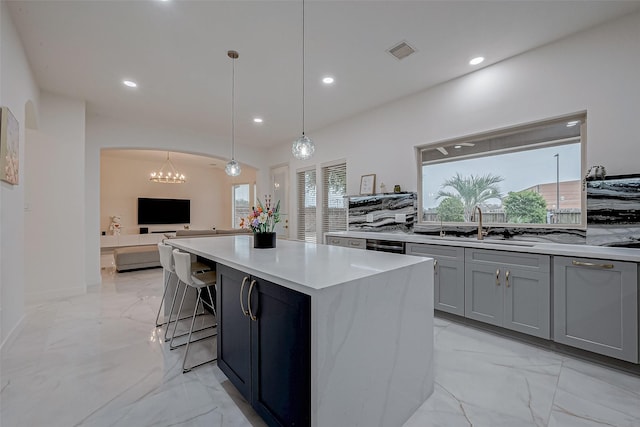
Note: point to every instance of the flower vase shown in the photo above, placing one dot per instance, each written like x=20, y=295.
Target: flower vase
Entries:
x=264, y=240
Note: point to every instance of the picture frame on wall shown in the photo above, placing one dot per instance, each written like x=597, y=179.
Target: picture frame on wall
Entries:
x=367, y=184
x=9, y=147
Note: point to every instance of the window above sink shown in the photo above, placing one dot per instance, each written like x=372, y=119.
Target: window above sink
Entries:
x=524, y=176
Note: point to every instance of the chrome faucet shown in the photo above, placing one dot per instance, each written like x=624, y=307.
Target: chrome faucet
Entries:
x=480, y=232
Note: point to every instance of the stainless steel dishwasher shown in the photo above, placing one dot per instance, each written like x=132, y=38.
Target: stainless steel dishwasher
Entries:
x=392, y=246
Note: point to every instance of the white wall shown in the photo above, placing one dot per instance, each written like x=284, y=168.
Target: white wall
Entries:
x=17, y=88
x=54, y=200
x=104, y=132
x=123, y=180
x=595, y=71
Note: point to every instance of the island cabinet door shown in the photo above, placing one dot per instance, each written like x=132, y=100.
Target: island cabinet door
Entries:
x=281, y=354
x=234, y=329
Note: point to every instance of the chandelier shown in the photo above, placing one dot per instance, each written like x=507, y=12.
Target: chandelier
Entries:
x=167, y=174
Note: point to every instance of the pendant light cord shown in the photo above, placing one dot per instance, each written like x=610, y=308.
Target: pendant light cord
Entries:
x=233, y=109
x=302, y=67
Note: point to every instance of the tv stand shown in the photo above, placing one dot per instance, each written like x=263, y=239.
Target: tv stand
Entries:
x=116, y=241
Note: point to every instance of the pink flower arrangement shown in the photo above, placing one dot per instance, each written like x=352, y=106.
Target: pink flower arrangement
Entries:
x=262, y=219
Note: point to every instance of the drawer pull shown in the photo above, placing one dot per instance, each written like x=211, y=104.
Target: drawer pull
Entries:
x=435, y=264
x=354, y=243
x=506, y=276
x=591, y=264
x=245, y=312
x=498, y=277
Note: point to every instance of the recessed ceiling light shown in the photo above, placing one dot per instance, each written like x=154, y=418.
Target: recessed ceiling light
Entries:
x=257, y=120
x=477, y=60
x=129, y=83
x=327, y=80
x=572, y=123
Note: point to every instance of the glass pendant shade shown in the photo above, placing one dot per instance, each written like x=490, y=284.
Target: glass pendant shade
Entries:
x=303, y=148
x=233, y=168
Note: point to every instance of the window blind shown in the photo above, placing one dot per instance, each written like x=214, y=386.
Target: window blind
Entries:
x=306, y=190
x=334, y=204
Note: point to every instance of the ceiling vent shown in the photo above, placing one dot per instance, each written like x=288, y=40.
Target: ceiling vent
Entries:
x=401, y=50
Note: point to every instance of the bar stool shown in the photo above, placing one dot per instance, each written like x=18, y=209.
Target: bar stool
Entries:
x=198, y=282
x=167, y=262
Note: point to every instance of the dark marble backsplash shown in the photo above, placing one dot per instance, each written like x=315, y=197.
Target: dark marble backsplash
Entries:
x=378, y=212
x=613, y=211
x=613, y=217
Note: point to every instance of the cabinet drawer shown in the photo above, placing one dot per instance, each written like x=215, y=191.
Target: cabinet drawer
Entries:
x=347, y=242
x=356, y=243
x=505, y=258
x=336, y=241
x=421, y=249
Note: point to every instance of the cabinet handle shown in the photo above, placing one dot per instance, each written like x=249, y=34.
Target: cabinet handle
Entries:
x=245, y=312
x=506, y=276
x=590, y=264
x=354, y=243
x=251, y=315
x=435, y=264
x=498, y=277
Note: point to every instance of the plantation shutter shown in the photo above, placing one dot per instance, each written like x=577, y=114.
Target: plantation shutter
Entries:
x=334, y=204
x=306, y=189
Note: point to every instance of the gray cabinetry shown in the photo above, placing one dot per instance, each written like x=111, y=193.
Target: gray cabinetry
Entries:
x=448, y=275
x=348, y=242
x=509, y=289
x=596, y=306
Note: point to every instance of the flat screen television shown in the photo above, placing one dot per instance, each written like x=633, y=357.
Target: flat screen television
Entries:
x=163, y=211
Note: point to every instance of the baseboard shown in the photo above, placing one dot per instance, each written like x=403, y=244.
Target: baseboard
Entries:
x=44, y=296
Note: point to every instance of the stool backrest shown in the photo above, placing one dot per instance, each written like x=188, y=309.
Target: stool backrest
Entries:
x=166, y=257
x=183, y=266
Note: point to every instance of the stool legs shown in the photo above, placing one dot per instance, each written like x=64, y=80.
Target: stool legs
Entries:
x=164, y=294
x=193, y=319
x=175, y=323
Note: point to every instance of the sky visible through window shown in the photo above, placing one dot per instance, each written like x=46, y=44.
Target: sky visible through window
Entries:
x=520, y=170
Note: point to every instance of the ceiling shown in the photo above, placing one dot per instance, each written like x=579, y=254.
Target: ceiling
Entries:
x=176, y=51
x=179, y=159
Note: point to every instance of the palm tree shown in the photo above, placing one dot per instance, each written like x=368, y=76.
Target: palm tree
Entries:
x=472, y=190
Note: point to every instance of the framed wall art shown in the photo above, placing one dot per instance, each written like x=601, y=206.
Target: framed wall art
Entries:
x=9, y=147
x=367, y=184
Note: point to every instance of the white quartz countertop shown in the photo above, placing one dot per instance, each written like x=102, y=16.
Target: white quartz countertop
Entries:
x=303, y=266
x=584, y=251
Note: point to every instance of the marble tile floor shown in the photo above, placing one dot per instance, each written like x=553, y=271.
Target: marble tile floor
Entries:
x=96, y=360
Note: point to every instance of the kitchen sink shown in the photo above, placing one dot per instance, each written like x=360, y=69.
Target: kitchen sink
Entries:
x=485, y=241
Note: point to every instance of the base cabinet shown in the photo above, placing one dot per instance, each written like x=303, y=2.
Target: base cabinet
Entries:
x=509, y=289
x=448, y=275
x=264, y=345
x=347, y=242
x=596, y=306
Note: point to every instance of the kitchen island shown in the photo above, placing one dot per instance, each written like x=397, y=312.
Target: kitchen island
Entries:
x=322, y=335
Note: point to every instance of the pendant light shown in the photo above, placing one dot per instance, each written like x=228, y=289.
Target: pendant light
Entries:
x=233, y=167
x=303, y=147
